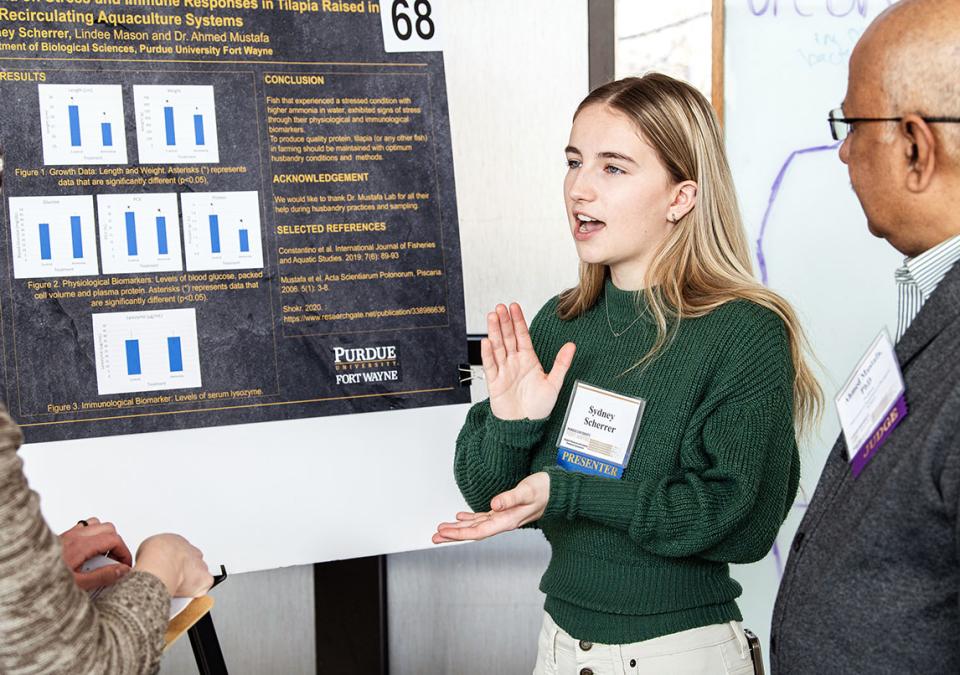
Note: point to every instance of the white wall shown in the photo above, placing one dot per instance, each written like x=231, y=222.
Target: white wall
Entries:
x=512, y=94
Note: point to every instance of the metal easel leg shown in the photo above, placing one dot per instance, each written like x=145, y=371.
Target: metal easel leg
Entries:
x=206, y=647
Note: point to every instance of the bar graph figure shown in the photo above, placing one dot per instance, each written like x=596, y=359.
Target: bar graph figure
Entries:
x=214, y=233
x=162, y=247
x=76, y=237
x=146, y=351
x=53, y=236
x=221, y=230
x=82, y=124
x=131, y=220
x=139, y=233
x=176, y=124
x=73, y=111
x=45, y=253
x=133, y=357
x=175, y=354
x=168, y=126
x=198, y=129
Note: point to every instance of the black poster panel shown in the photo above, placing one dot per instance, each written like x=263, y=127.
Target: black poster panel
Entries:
x=222, y=211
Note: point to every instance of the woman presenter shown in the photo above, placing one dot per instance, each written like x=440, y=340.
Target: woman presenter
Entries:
x=661, y=446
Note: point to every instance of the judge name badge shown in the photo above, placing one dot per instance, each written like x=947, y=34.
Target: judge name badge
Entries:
x=598, y=431
x=871, y=403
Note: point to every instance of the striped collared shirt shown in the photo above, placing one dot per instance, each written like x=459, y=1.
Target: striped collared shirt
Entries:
x=917, y=279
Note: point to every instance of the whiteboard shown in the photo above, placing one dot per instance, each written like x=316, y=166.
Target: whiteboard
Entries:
x=785, y=68
x=267, y=495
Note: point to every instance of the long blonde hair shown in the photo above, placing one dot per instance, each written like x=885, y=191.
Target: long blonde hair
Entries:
x=704, y=261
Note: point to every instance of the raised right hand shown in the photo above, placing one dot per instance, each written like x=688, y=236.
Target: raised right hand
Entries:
x=177, y=563
x=519, y=388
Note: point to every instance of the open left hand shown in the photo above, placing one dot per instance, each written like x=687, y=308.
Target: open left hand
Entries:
x=82, y=542
x=509, y=510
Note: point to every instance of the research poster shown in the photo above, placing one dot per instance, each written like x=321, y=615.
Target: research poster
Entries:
x=224, y=211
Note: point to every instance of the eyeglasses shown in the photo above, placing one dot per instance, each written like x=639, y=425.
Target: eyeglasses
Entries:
x=840, y=125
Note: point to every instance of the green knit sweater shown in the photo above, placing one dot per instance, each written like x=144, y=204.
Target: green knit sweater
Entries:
x=713, y=473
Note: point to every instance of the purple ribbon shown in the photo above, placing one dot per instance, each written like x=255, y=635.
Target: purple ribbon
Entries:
x=879, y=436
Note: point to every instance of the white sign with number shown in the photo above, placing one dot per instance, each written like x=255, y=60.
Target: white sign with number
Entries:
x=411, y=25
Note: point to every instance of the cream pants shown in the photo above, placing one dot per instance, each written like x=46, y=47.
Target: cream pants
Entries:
x=719, y=649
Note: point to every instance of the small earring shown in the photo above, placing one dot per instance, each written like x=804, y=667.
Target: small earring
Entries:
x=673, y=218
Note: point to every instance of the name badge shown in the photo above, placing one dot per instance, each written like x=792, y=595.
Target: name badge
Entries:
x=871, y=403
x=599, y=431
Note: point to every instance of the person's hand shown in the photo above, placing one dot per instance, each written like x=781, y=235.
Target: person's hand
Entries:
x=82, y=542
x=516, y=381
x=177, y=563
x=510, y=510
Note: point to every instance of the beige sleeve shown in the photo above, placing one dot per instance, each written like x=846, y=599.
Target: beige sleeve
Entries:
x=47, y=624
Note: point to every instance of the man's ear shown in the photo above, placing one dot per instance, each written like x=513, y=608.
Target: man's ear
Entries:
x=920, y=151
x=684, y=199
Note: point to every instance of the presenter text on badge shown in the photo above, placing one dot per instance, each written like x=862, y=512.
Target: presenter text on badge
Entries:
x=519, y=389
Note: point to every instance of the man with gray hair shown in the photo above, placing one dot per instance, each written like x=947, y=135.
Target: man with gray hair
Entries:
x=872, y=584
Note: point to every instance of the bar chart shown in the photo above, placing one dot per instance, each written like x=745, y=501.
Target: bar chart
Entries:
x=139, y=233
x=146, y=351
x=53, y=236
x=221, y=230
x=176, y=124
x=82, y=124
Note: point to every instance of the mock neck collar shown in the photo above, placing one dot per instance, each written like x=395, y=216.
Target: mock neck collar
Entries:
x=622, y=306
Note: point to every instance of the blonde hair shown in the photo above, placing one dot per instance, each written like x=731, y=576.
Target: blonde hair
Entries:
x=704, y=261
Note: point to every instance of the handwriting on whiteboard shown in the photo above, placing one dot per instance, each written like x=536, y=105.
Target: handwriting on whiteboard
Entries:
x=817, y=8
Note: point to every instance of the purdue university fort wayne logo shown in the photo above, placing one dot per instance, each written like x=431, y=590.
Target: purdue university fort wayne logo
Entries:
x=366, y=365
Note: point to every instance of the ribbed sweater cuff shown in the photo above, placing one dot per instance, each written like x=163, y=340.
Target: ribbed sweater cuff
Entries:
x=564, y=493
x=518, y=434
x=138, y=606
x=614, y=503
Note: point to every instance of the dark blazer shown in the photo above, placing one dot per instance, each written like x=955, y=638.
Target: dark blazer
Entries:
x=871, y=585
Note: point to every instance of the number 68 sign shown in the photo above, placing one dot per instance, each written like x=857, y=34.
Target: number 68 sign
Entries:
x=411, y=25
